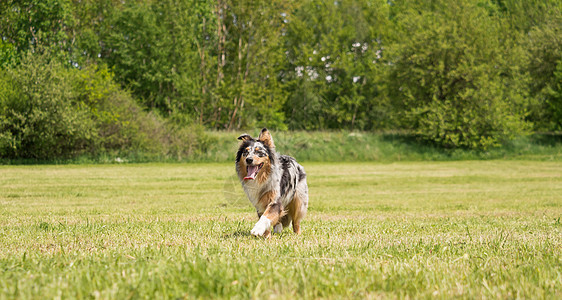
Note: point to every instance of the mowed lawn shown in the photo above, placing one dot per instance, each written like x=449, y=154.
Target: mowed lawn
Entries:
x=468, y=229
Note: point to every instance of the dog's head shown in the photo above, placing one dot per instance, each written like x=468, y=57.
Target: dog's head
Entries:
x=255, y=156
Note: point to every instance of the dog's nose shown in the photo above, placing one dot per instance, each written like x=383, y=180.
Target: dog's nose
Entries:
x=249, y=160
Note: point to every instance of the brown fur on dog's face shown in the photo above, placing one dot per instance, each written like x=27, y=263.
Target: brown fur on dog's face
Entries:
x=264, y=172
x=242, y=169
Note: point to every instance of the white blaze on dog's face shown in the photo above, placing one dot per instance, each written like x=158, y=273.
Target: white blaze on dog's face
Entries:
x=254, y=156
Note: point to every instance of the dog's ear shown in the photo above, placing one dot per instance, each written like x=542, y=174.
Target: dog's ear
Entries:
x=266, y=139
x=245, y=137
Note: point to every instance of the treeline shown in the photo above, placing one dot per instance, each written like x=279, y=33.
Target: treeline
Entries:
x=90, y=76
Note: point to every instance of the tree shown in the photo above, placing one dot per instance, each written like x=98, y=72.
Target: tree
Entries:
x=250, y=63
x=333, y=48
x=454, y=79
x=36, y=25
x=544, y=49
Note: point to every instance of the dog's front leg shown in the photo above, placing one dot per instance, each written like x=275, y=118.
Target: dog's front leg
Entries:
x=271, y=216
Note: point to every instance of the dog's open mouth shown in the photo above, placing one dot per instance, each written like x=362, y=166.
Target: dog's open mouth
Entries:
x=253, y=171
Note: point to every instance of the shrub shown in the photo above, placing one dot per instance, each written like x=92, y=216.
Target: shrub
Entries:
x=124, y=128
x=38, y=115
x=120, y=123
x=50, y=111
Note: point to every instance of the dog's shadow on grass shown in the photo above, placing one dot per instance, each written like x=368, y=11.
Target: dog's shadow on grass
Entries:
x=237, y=234
x=246, y=233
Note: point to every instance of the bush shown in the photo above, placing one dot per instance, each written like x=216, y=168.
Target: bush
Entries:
x=121, y=125
x=49, y=111
x=124, y=128
x=38, y=115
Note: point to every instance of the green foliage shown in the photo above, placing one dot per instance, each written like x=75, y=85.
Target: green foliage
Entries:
x=453, y=79
x=250, y=63
x=120, y=123
x=522, y=16
x=140, y=54
x=8, y=54
x=333, y=49
x=29, y=23
x=545, y=54
x=554, y=101
x=468, y=74
x=123, y=128
x=39, y=117
x=50, y=111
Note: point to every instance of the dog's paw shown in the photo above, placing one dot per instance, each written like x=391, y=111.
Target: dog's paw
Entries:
x=278, y=228
x=263, y=225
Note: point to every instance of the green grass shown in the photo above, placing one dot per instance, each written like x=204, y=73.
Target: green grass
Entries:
x=324, y=146
x=469, y=229
x=336, y=146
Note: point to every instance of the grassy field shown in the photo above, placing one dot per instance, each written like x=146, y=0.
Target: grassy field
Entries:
x=470, y=229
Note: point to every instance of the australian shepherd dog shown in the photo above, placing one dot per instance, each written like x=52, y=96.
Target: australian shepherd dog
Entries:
x=274, y=183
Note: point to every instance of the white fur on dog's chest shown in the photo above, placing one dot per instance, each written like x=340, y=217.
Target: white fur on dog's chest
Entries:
x=253, y=190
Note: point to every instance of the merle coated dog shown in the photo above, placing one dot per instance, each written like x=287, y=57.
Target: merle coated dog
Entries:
x=274, y=183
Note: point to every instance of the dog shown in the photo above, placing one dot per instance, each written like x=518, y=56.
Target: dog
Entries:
x=275, y=184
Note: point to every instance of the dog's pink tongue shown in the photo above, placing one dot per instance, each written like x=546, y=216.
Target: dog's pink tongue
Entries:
x=252, y=172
